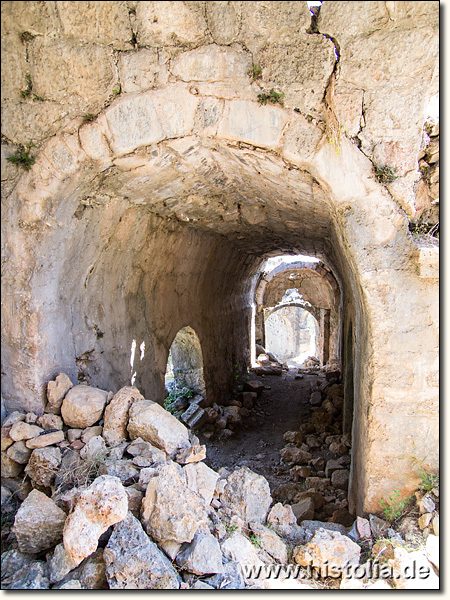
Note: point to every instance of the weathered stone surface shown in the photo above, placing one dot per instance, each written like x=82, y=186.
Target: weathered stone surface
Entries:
x=328, y=548
x=247, y=495
x=104, y=503
x=12, y=418
x=116, y=415
x=10, y=468
x=6, y=440
x=47, y=439
x=211, y=63
x=133, y=561
x=97, y=22
x=43, y=465
x=238, y=548
x=269, y=541
x=138, y=69
x=426, y=504
x=19, y=453
x=164, y=24
x=320, y=484
x=164, y=517
x=282, y=520
x=191, y=455
x=201, y=480
x=83, y=406
x=60, y=563
x=57, y=389
x=202, y=556
x=91, y=572
x=38, y=524
x=15, y=567
x=150, y=422
x=23, y=431
x=74, y=434
x=32, y=577
x=91, y=432
x=49, y=421
x=73, y=584
x=223, y=21
x=146, y=455
x=125, y=470
x=95, y=447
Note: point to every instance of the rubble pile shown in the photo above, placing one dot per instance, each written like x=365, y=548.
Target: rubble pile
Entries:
x=108, y=491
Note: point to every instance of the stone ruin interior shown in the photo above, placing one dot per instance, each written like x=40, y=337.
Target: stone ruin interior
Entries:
x=220, y=247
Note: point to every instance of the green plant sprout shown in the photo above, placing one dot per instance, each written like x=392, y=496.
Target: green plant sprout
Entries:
x=273, y=97
x=22, y=157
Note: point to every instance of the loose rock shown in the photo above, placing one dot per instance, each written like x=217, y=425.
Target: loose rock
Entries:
x=56, y=390
x=43, y=465
x=104, y=503
x=328, y=551
x=39, y=523
x=23, y=431
x=133, y=561
x=116, y=415
x=247, y=495
x=48, y=439
x=83, y=406
x=202, y=556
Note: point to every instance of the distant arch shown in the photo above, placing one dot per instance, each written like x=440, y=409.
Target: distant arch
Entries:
x=185, y=362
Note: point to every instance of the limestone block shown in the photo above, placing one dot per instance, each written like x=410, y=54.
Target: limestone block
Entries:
x=133, y=561
x=125, y=470
x=43, y=465
x=93, y=140
x=211, y=63
x=47, y=439
x=282, y=519
x=168, y=24
x=63, y=71
x=23, y=431
x=247, y=495
x=344, y=19
x=133, y=122
x=202, y=480
x=265, y=23
x=91, y=432
x=270, y=542
x=202, y=556
x=301, y=138
x=48, y=421
x=427, y=261
x=116, y=415
x=328, y=548
x=57, y=389
x=103, y=504
x=238, y=548
x=138, y=69
x=176, y=109
x=164, y=517
x=223, y=21
x=39, y=523
x=83, y=406
x=252, y=123
x=150, y=422
x=105, y=23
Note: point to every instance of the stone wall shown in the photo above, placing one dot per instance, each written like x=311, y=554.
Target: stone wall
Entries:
x=161, y=184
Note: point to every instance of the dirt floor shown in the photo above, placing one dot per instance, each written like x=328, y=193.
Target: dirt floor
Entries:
x=256, y=444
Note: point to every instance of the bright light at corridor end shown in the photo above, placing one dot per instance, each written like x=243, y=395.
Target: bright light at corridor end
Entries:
x=314, y=3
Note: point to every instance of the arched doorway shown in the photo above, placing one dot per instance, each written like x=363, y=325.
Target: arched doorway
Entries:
x=185, y=362
x=291, y=334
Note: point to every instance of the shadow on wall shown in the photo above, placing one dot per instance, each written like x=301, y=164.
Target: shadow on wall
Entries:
x=185, y=362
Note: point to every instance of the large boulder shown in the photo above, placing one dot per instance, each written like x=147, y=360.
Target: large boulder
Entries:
x=247, y=495
x=328, y=551
x=202, y=556
x=83, y=406
x=150, y=422
x=133, y=561
x=170, y=510
x=39, y=523
x=116, y=415
x=43, y=465
x=103, y=504
x=56, y=391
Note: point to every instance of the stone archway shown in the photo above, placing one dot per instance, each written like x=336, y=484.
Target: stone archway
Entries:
x=161, y=209
x=289, y=336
